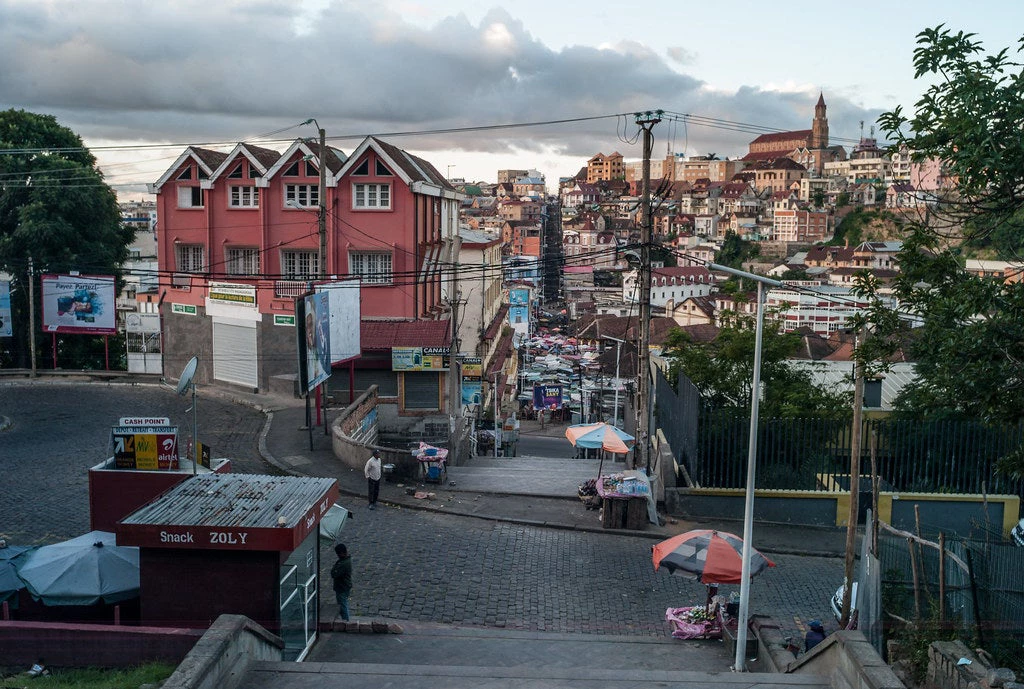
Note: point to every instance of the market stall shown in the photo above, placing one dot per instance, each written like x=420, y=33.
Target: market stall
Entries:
x=433, y=462
x=624, y=497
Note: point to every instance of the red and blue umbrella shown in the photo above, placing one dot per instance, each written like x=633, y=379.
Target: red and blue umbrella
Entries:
x=600, y=436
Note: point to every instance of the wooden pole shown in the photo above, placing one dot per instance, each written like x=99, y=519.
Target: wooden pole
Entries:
x=874, y=491
x=917, y=583
x=942, y=577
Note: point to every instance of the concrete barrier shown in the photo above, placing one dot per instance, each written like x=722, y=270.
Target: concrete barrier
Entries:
x=220, y=659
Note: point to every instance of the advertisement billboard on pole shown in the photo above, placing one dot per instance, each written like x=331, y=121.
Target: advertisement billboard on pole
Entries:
x=345, y=314
x=79, y=304
x=6, y=329
x=313, y=313
x=547, y=396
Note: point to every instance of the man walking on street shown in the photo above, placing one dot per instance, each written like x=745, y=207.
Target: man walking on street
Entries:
x=341, y=573
x=372, y=472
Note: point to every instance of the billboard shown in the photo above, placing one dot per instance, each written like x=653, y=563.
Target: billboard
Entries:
x=419, y=358
x=519, y=297
x=345, y=314
x=472, y=383
x=314, y=338
x=547, y=396
x=79, y=304
x=5, y=309
x=145, y=444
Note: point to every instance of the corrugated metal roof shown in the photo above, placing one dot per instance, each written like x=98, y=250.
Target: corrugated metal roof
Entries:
x=233, y=500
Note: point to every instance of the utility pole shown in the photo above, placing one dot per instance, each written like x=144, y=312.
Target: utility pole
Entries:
x=855, y=442
x=646, y=122
x=322, y=227
x=32, y=317
x=454, y=370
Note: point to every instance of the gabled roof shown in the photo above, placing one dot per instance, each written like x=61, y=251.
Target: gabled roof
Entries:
x=334, y=158
x=782, y=137
x=207, y=159
x=261, y=158
x=405, y=165
x=692, y=273
x=383, y=335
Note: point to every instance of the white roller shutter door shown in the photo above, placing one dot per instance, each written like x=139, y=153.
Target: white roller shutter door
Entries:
x=234, y=354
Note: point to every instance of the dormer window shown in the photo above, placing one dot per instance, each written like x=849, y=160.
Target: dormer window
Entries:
x=382, y=170
x=292, y=170
x=363, y=169
x=236, y=173
x=311, y=169
x=186, y=173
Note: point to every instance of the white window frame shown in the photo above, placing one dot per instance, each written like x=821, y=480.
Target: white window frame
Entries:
x=187, y=197
x=242, y=260
x=301, y=196
x=244, y=197
x=300, y=265
x=373, y=196
x=190, y=258
x=371, y=267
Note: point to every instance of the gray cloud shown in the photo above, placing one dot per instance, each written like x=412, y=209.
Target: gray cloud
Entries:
x=681, y=55
x=193, y=71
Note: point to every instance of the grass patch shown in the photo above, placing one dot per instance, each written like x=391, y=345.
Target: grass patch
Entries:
x=94, y=678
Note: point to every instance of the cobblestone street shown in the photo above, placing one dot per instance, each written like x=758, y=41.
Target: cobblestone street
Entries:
x=60, y=430
x=409, y=564
x=430, y=567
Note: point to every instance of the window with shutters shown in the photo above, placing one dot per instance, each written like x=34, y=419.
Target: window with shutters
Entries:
x=371, y=196
x=243, y=261
x=244, y=197
x=300, y=265
x=386, y=381
x=190, y=197
x=372, y=267
x=190, y=258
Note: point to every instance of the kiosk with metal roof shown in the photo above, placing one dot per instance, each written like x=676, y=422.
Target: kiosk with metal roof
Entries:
x=233, y=543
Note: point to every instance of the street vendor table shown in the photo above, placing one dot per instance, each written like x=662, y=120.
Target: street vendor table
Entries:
x=433, y=461
x=624, y=497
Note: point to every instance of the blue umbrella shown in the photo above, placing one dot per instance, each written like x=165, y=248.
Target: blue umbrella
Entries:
x=10, y=557
x=83, y=571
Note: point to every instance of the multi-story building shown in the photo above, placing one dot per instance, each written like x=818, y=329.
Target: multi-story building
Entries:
x=794, y=225
x=605, y=168
x=239, y=241
x=511, y=176
x=670, y=284
x=822, y=308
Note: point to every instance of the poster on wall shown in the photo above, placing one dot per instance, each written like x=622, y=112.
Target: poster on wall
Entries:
x=419, y=358
x=472, y=381
x=519, y=297
x=314, y=338
x=6, y=330
x=547, y=396
x=79, y=304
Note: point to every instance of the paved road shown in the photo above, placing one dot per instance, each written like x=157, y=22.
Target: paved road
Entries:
x=430, y=567
x=411, y=565
x=60, y=430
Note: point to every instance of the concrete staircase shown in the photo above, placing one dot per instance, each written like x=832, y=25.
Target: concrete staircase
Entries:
x=437, y=657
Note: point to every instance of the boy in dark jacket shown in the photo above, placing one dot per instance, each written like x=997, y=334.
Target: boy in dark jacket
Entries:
x=341, y=573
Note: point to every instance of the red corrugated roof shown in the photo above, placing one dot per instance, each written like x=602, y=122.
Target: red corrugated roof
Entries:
x=383, y=335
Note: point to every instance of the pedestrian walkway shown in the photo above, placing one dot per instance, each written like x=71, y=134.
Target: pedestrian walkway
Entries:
x=526, y=490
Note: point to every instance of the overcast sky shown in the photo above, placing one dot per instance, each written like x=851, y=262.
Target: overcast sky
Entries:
x=191, y=71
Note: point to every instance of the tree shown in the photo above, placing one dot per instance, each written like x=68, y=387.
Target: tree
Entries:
x=722, y=372
x=970, y=348
x=56, y=210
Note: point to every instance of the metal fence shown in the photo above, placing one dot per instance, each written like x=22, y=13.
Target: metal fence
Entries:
x=677, y=417
x=983, y=592
x=814, y=454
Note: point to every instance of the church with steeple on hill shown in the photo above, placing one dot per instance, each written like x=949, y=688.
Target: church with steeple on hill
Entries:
x=809, y=147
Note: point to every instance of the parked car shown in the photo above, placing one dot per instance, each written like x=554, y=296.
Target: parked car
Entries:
x=837, y=601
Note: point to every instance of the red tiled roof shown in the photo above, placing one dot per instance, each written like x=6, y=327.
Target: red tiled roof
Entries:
x=782, y=137
x=495, y=327
x=691, y=272
x=383, y=335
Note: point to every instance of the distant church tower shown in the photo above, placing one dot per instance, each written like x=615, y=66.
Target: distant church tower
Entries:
x=819, y=129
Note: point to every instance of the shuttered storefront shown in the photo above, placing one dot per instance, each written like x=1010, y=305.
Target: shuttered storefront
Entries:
x=422, y=390
x=386, y=381
x=234, y=354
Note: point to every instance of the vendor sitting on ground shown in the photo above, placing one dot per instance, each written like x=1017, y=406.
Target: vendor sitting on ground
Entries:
x=815, y=635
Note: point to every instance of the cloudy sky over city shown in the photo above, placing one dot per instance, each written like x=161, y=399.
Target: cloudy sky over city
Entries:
x=183, y=71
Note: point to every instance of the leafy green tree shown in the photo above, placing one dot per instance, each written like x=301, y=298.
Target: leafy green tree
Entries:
x=56, y=210
x=735, y=251
x=970, y=349
x=722, y=372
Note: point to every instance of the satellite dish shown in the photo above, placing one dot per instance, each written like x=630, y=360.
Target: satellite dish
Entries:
x=187, y=375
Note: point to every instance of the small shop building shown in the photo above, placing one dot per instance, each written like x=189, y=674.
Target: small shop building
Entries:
x=233, y=543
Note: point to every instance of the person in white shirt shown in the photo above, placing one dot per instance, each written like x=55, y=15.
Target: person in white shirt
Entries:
x=372, y=471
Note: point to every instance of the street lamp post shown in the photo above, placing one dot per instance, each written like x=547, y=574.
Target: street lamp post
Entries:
x=618, y=358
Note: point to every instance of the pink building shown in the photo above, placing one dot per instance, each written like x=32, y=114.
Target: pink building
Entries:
x=238, y=240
